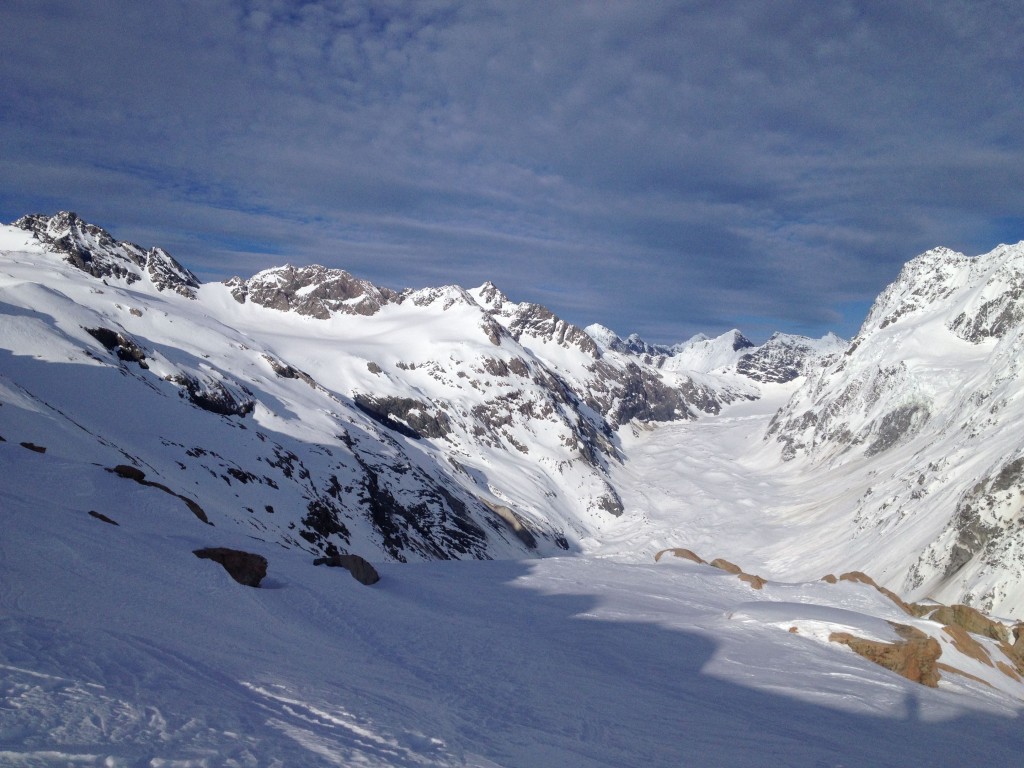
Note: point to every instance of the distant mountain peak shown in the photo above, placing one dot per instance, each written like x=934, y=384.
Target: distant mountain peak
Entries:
x=314, y=290
x=94, y=250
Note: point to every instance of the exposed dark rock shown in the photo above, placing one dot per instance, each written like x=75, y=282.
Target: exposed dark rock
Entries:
x=430, y=521
x=215, y=397
x=323, y=520
x=101, y=516
x=314, y=290
x=755, y=581
x=125, y=348
x=133, y=473
x=246, y=568
x=974, y=529
x=998, y=314
x=970, y=620
x=610, y=501
x=361, y=570
x=130, y=473
x=537, y=321
x=915, y=657
x=726, y=566
x=416, y=418
x=286, y=371
x=34, y=447
x=640, y=394
x=896, y=426
x=780, y=359
x=680, y=552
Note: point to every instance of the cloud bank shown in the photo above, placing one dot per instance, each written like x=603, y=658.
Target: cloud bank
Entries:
x=666, y=168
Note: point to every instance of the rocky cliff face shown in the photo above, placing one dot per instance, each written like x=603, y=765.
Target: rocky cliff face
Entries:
x=785, y=357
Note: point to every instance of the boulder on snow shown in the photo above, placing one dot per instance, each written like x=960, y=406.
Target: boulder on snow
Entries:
x=360, y=568
x=726, y=566
x=244, y=567
x=685, y=554
x=915, y=657
x=755, y=581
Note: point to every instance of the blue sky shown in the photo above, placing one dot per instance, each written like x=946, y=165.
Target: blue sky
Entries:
x=662, y=168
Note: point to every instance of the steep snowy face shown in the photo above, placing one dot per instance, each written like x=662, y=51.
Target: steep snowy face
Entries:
x=93, y=250
x=928, y=401
x=994, y=305
x=930, y=333
x=707, y=355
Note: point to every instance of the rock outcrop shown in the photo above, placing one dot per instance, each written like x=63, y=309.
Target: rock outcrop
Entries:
x=915, y=657
x=246, y=568
x=360, y=568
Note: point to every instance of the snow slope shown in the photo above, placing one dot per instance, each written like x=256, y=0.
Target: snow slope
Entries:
x=119, y=648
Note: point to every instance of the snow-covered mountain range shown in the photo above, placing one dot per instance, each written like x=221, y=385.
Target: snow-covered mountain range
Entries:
x=317, y=410
x=304, y=413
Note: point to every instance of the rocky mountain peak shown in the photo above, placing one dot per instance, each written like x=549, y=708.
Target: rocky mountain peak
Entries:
x=315, y=290
x=94, y=250
x=533, y=321
x=785, y=357
x=490, y=296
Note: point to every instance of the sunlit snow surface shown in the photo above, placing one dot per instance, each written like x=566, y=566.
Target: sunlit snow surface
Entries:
x=118, y=647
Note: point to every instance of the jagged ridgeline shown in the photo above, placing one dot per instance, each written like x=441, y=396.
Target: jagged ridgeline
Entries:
x=318, y=411
x=323, y=412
